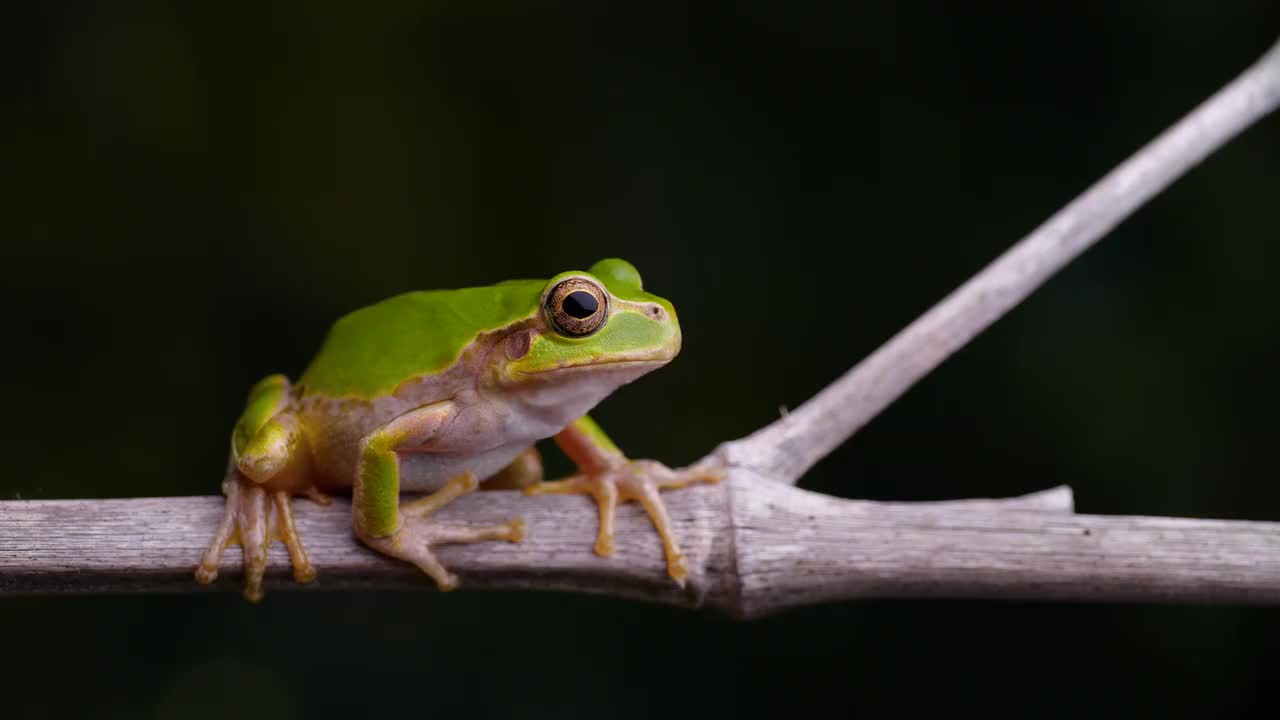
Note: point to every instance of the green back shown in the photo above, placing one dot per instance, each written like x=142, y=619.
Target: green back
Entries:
x=369, y=352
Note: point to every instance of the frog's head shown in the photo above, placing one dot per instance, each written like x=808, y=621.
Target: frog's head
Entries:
x=593, y=331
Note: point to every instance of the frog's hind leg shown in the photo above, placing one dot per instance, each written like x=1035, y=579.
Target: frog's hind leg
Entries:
x=270, y=463
x=244, y=522
x=255, y=516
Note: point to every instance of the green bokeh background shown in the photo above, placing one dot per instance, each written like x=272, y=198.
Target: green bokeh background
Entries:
x=189, y=196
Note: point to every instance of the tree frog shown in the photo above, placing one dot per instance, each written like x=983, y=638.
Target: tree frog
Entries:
x=435, y=391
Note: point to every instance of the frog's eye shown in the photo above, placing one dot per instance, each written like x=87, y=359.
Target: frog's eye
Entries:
x=577, y=307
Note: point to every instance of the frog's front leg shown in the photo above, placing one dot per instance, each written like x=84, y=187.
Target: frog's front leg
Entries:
x=406, y=532
x=609, y=477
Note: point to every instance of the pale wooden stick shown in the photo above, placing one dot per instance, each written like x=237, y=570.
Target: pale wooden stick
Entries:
x=790, y=446
x=754, y=546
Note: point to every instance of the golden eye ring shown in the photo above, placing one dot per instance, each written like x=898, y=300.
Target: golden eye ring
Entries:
x=577, y=307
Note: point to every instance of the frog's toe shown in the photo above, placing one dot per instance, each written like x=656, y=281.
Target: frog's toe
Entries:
x=207, y=571
x=412, y=543
x=417, y=536
x=418, y=533
x=516, y=530
x=641, y=481
x=253, y=518
x=316, y=496
x=283, y=527
x=665, y=478
x=253, y=540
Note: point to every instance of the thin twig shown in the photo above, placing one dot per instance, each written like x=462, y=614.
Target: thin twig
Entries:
x=792, y=444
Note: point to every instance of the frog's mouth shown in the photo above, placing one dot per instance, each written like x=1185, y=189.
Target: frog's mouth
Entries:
x=616, y=364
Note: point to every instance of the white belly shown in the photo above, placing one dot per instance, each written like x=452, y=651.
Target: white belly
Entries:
x=426, y=472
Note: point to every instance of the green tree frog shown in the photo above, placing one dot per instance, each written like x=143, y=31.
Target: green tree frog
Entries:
x=435, y=391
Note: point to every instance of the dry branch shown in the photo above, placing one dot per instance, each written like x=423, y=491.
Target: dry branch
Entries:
x=755, y=543
x=152, y=544
x=754, y=546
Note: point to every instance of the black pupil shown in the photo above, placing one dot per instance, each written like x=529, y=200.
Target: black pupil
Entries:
x=580, y=304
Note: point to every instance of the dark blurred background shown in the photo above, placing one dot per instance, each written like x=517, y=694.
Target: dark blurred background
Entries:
x=189, y=196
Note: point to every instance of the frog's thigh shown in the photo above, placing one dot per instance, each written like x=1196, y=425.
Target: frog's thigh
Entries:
x=376, y=492
x=274, y=447
x=524, y=471
x=267, y=438
x=266, y=398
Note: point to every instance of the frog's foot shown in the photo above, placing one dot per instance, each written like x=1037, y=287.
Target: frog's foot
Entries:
x=417, y=534
x=255, y=516
x=642, y=481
